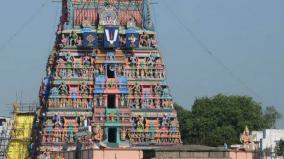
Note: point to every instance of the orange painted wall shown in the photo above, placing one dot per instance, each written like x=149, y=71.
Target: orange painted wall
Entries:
x=240, y=155
x=117, y=154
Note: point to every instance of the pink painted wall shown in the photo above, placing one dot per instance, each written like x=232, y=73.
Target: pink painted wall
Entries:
x=240, y=155
x=117, y=154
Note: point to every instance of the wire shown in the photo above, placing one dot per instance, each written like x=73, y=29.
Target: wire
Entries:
x=24, y=25
x=210, y=52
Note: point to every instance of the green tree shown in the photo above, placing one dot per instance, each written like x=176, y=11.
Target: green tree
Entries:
x=271, y=115
x=185, y=124
x=215, y=120
x=279, y=149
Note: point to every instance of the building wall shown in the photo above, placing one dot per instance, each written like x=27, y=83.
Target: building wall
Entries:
x=268, y=138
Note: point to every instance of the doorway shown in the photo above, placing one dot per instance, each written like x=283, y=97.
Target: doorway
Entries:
x=111, y=101
x=112, y=135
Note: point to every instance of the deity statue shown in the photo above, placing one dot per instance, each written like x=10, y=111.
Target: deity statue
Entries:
x=119, y=70
x=174, y=124
x=158, y=90
x=247, y=140
x=123, y=134
x=16, y=107
x=69, y=60
x=137, y=103
x=79, y=41
x=101, y=70
x=63, y=73
x=57, y=120
x=99, y=133
x=96, y=72
x=63, y=89
x=64, y=40
x=84, y=88
x=151, y=61
x=132, y=40
x=86, y=23
x=131, y=23
x=73, y=38
x=153, y=42
x=100, y=100
x=60, y=63
x=137, y=89
x=112, y=116
x=143, y=41
x=122, y=40
x=166, y=92
x=54, y=91
x=165, y=121
x=133, y=60
x=86, y=61
x=140, y=124
x=122, y=101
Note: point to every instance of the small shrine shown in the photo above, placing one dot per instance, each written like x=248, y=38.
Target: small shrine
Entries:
x=105, y=83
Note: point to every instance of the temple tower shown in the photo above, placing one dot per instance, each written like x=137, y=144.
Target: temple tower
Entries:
x=105, y=82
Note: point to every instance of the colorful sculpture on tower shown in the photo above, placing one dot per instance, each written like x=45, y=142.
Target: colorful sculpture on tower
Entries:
x=105, y=80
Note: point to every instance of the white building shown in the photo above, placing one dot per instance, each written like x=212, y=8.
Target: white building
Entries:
x=268, y=138
x=5, y=128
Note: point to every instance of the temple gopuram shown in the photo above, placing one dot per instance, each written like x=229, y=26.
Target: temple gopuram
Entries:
x=105, y=83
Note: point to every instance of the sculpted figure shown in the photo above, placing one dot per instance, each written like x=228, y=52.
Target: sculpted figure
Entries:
x=140, y=123
x=98, y=133
x=101, y=70
x=86, y=61
x=54, y=91
x=122, y=101
x=123, y=134
x=84, y=88
x=63, y=73
x=79, y=41
x=63, y=89
x=16, y=107
x=64, y=40
x=100, y=100
x=96, y=72
x=165, y=121
x=166, y=92
x=143, y=41
x=153, y=42
x=122, y=40
x=73, y=38
x=60, y=63
x=245, y=137
x=86, y=23
x=69, y=60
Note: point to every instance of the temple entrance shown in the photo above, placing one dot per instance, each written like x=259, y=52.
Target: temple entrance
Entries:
x=111, y=101
x=110, y=71
x=112, y=135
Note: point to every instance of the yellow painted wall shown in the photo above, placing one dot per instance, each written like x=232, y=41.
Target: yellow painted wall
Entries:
x=21, y=135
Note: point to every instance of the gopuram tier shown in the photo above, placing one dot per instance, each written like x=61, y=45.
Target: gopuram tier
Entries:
x=105, y=83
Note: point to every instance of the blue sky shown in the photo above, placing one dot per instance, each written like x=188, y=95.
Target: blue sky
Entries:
x=246, y=35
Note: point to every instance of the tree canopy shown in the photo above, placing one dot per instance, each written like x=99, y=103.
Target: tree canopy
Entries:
x=215, y=120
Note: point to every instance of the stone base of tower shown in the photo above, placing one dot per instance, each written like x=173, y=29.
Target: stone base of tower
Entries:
x=167, y=152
